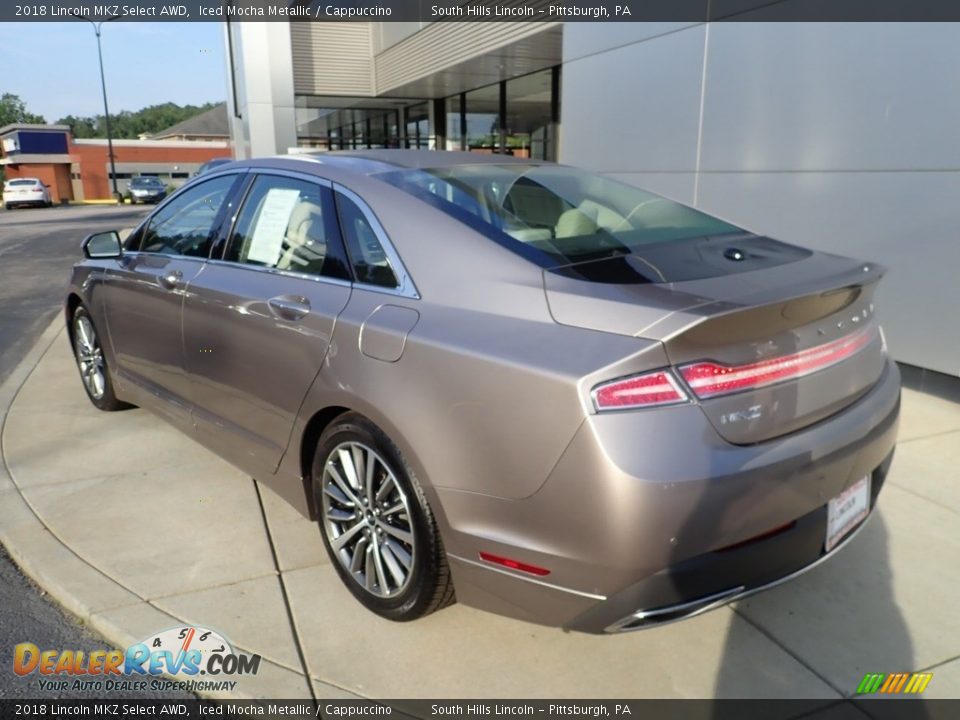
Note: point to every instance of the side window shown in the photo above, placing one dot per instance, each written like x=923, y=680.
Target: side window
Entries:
x=370, y=263
x=185, y=225
x=289, y=224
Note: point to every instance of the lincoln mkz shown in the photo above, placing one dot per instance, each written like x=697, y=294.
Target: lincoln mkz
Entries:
x=570, y=400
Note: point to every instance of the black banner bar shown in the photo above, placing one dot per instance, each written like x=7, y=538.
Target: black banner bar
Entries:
x=484, y=10
x=878, y=709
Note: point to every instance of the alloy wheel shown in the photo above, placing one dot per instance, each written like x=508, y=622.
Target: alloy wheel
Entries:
x=89, y=356
x=367, y=519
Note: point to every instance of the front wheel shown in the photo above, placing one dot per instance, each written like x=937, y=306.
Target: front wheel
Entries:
x=90, y=361
x=376, y=523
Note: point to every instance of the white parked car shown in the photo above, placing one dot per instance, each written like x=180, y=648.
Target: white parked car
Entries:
x=26, y=191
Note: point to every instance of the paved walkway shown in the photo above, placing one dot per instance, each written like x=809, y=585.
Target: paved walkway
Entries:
x=135, y=528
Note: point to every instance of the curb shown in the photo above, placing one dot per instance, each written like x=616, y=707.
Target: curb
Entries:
x=18, y=520
x=93, y=598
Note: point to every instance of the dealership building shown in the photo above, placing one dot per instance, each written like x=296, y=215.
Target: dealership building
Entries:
x=838, y=136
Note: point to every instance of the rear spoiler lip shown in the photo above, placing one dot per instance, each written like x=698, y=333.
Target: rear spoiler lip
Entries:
x=684, y=319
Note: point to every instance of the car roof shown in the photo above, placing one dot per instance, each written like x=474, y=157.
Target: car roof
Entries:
x=340, y=165
x=369, y=162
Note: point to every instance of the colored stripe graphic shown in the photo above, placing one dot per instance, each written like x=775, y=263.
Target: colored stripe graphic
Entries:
x=870, y=683
x=894, y=683
x=918, y=683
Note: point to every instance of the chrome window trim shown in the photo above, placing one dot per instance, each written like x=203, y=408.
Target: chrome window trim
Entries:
x=295, y=174
x=285, y=273
x=406, y=287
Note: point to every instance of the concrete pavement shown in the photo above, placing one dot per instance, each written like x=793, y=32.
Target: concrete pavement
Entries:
x=135, y=528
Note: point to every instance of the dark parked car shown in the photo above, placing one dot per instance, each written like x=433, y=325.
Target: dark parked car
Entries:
x=212, y=164
x=576, y=402
x=147, y=190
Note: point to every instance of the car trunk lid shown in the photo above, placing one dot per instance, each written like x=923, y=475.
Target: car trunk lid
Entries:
x=765, y=351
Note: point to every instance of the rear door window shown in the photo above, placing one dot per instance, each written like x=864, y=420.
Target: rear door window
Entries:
x=368, y=256
x=289, y=224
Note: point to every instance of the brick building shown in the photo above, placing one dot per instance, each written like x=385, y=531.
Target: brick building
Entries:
x=80, y=169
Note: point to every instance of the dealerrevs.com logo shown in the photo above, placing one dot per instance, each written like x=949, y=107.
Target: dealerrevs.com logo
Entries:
x=198, y=659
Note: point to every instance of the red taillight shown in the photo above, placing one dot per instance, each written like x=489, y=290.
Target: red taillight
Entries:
x=648, y=390
x=514, y=564
x=709, y=379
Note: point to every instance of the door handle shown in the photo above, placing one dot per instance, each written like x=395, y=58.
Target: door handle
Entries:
x=171, y=279
x=288, y=307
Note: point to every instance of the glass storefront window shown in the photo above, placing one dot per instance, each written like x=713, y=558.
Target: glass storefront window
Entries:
x=483, y=119
x=530, y=131
x=418, y=126
x=516, y=117
x=345, y=128
x=455, y=138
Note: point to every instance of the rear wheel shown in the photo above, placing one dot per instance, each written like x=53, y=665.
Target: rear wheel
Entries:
x=376, y=523
x=90, y=361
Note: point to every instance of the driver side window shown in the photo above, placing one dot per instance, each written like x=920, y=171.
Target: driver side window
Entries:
x=186, y=224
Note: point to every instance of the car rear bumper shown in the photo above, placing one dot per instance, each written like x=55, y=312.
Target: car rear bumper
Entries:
x=716, y=578
x=649, y=517
x=25, y=199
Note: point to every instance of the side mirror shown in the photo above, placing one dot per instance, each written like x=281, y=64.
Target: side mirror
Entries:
x=102, y=246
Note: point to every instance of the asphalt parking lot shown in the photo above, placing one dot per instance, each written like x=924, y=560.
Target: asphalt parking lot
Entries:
x=135, y=528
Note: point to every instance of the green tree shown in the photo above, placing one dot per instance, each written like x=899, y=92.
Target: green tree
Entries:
x=79, y=127
x=129, y=125
x=14, y=110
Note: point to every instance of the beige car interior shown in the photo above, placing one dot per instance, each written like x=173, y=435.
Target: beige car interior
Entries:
x=305, y=246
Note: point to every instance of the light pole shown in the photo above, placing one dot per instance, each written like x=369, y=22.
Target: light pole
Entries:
x=103, y=85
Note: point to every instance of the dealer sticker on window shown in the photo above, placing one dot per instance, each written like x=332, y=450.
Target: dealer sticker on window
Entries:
x=846, y=511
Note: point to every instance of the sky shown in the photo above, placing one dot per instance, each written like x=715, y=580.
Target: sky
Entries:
x=53, y=66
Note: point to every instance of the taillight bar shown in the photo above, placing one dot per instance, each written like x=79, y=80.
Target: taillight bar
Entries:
x=648, y=390
x=710, y=379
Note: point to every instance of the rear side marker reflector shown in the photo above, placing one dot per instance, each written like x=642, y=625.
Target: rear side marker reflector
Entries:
x=649, y=390
x=762, y=536
x=514, y=564
x=709, y=379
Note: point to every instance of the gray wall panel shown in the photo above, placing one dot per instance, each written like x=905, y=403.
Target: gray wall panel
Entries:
x=676, y=186
x=832, y=96
x=907, y=221
x=585, y=38
x=841, y=137
x=634, y=108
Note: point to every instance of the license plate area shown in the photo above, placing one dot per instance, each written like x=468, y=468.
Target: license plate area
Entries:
x=846, y=511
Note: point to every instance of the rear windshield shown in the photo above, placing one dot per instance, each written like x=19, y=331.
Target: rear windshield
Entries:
x=557, y=215
x=590, y=227
x=145, y=181
x=17, y=183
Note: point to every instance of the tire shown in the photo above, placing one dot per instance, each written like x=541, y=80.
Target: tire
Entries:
x=392, y=561
x=94, y=373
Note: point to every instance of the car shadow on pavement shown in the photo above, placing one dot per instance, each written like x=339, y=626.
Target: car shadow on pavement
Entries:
x=840, y=621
